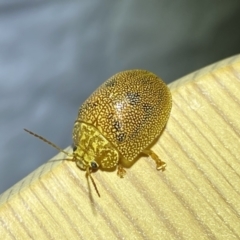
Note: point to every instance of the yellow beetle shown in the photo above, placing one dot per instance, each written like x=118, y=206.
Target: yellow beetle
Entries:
x=119, y=121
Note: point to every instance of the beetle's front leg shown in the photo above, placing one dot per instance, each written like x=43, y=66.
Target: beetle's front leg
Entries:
x=160, y=165
x=121, y=171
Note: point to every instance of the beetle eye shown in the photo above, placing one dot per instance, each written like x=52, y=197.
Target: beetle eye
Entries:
x=74, y=147
x=94, y=165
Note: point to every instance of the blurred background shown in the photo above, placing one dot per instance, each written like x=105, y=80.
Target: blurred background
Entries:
x=53, y=54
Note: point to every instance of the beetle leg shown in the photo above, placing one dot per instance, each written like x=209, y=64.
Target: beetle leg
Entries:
x=160, y=165
x=121, y=171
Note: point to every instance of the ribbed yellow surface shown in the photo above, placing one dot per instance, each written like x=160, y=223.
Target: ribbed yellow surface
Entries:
x=197, y=197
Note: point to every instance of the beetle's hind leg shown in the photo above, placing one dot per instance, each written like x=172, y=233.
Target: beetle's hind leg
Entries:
x=160, y=165
x=121, y=171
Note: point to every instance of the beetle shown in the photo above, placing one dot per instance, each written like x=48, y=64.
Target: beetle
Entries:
x=119, y=121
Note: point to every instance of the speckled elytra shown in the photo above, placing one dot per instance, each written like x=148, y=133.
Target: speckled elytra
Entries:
x=119, y=121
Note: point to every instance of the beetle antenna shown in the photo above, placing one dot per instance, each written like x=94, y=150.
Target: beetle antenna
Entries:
x=61, y=150
x=48, y=142
x=93, y=182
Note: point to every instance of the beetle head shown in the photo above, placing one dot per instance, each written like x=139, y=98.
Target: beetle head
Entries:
x=85, y=161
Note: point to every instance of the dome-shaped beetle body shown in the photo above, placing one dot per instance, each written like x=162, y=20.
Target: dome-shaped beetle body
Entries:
x=120, y=119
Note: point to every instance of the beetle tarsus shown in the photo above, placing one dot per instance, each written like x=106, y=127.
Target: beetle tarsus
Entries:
x=160, y=165
x=121, y=171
